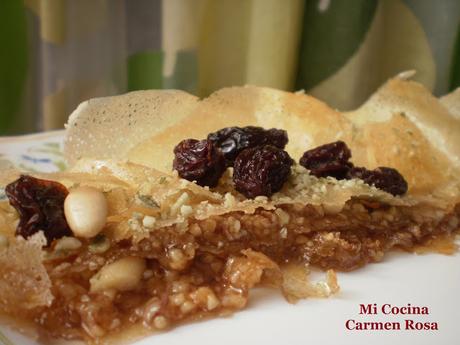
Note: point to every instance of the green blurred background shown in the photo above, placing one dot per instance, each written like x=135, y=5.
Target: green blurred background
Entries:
x=56, y=53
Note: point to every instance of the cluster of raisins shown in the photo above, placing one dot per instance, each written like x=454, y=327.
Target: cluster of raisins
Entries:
x=260, y=164
x=333, y=160
x=233, y=140
x=40, y=204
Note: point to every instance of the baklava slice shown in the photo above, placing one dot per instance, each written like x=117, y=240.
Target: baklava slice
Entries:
x=170, y=251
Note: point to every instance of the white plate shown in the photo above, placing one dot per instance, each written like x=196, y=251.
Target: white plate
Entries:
x=431, y=281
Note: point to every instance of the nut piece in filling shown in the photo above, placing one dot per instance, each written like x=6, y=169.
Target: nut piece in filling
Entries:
x=199, y=161
x=122, y=275
x=85, y=209
x=261, y=170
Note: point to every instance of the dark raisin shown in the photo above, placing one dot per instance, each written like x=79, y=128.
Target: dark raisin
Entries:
x=233, y=140
x=387, y=179
x=199, y=161
x=40, y=204
x=261, y=170
x=328, y=160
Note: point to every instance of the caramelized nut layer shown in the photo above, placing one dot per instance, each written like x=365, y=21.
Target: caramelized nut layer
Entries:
x=210, y=267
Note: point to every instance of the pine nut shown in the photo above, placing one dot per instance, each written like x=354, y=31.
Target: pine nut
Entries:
x=85, y=209
x=67, y=244
x=122, y=275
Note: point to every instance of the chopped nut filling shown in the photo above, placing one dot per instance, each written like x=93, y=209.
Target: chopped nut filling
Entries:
x=175, y=275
